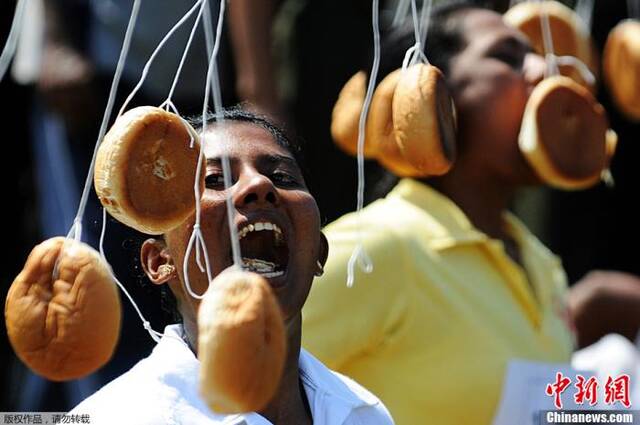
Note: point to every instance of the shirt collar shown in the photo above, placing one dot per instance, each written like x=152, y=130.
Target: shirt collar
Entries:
x=330, y=396
x=447, y=223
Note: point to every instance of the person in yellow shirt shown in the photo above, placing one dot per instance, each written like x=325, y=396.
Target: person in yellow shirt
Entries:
x=459, y=286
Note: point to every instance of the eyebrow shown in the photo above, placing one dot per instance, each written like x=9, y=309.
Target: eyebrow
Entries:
x=270, y=159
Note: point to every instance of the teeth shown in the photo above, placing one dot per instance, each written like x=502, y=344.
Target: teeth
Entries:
x=259, y=227
x=257, y=265
x=273, y=274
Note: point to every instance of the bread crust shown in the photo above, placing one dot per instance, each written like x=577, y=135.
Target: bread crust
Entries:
x=345, y=117
x=424, y=119
x=145, y=170
x=570, y=35
x=65, y=328
x=563, y=134
x=241, y=343
x=621, y=65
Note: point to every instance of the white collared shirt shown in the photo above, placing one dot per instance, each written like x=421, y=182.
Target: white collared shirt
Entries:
x=163, y=389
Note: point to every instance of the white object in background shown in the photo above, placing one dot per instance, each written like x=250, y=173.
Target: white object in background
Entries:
x=612, y=356
x=524, y=391
x=28, y=59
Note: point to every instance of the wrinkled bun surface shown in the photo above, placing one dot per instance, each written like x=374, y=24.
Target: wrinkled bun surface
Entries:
x=241, y=343
x=380, y=128
x=65, y=328
x=621, y=64
x=563, y=134
x=145, y=170
x=424, y=119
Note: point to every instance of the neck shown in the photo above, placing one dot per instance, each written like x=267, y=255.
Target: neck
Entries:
x=288, y=405
x=482, y=197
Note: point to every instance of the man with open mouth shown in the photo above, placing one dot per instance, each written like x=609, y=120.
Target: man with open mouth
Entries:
x=278, y=225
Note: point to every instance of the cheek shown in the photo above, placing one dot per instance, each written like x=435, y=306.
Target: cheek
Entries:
x=306, y=220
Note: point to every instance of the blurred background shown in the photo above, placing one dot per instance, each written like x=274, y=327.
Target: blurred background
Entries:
x=290, y=58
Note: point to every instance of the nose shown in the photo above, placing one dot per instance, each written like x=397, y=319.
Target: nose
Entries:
x=534, y=69
x=255, y=190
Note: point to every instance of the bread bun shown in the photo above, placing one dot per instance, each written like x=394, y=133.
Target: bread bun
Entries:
x=241, y=343
x=145, y=170
x=569, y=33
x=424, y=119
x=68, y=327
x=621, y=65
x=346, y=117
x=563, y=134
x=380, y=128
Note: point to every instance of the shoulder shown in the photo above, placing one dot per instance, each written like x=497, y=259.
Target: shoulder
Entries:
x=131, y=398
x=341, y=392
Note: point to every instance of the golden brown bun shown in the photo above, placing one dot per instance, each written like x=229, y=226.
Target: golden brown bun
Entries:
x=621, y=66
x=380, y=128
x=563, y=134
x=569, y=33
x=346, y=116
x=241, y=343
x=67, y=328
x=424, y=119
x=145, y=170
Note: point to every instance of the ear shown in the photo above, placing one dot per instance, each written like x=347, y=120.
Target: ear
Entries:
x=324, y=249
x=157, y=262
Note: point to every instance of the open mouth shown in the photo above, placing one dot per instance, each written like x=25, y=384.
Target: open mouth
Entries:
x=264, y=249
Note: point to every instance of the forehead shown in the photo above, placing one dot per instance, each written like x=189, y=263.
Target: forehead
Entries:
x=240, y=140
x=482, y=27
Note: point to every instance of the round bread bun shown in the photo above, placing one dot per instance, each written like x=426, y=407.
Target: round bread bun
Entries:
x=569, y=33
x=563, y=134
x=145, y=170
x=67, y=327
x=380, y=128
x=346, y=117
x=424, y=120
x=241, y=343
x=621, y=66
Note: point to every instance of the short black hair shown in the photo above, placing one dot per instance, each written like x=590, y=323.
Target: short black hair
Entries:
x=444, y=37
x=283, y=138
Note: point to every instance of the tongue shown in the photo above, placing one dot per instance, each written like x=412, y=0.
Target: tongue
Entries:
x=257, y=265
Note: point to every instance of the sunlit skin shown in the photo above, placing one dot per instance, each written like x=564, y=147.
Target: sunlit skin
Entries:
x=267, y=186
x=490, y=80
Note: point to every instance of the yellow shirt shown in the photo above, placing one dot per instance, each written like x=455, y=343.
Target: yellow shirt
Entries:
x=432, y=328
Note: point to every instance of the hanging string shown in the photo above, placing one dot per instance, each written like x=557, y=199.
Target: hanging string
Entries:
x=147, y=66
x=155, y=335
x=75, y=232
x=415, y=53
x=196, y=235
x=400, y=14
x=425, y=20
x=168, y=102
x=12, y=40
x=584, y=9
x=547, y=39
x=359, y=255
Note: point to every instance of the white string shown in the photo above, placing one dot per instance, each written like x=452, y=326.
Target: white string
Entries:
x=415, y=53
x=584, y=9
x=196, y=236
x=547, y=39
x=12, y=40
x=401, y=12
x=580, y=66
x=425, y=20
x=75, y=232
x=359, y=254
x=147, y=66
x=155, y=335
